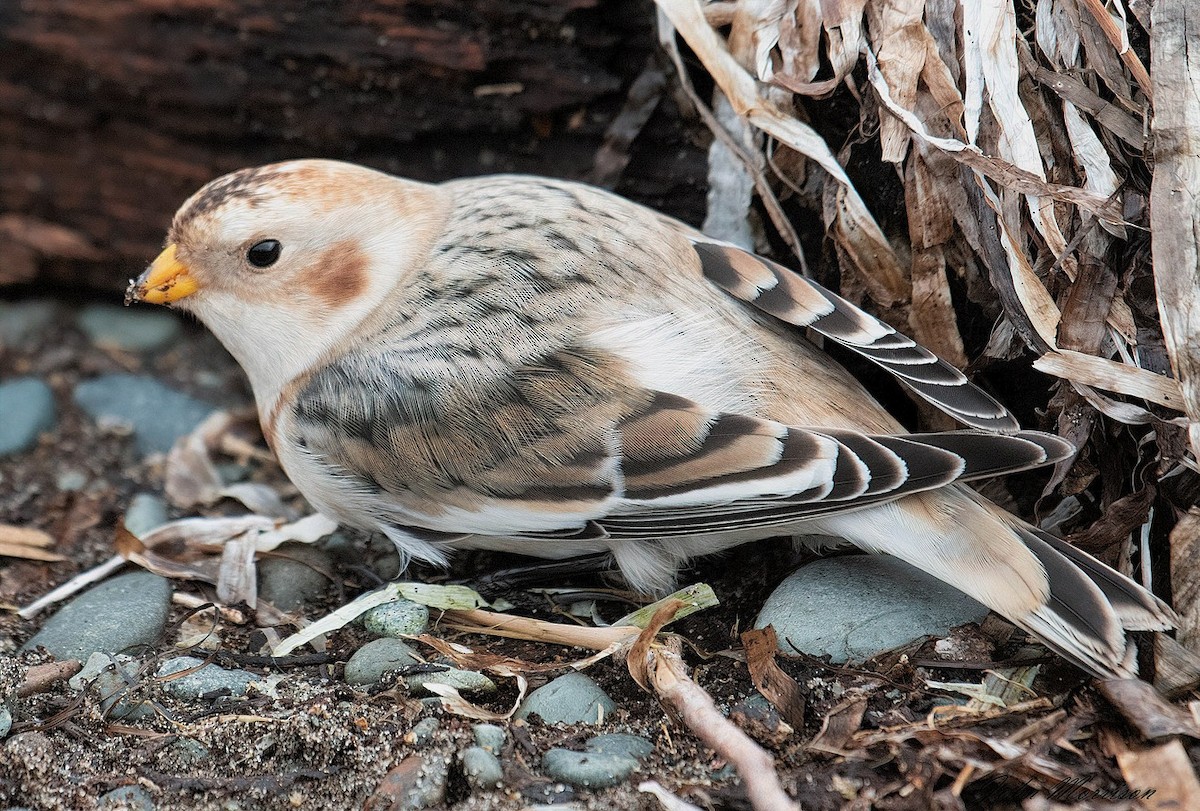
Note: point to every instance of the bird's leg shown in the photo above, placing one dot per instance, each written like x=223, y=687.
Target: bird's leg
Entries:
x=542, y=573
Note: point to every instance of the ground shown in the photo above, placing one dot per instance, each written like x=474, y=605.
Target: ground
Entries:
x=871, y=736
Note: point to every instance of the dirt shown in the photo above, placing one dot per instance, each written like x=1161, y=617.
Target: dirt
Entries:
x=310, y=741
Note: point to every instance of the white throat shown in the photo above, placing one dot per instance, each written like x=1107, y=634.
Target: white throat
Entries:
x=273, y=347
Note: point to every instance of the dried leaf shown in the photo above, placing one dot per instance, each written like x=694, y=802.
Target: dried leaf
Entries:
x=778, y=687
x=27, y=543
x=1185, y=577
x=1174, y=197
x=1162, y=774
x=838, y=726
x=1145, y=710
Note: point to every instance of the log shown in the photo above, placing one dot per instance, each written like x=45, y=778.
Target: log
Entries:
x=112, y=113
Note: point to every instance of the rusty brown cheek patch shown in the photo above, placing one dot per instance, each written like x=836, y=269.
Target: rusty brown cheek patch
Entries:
x=338, y=276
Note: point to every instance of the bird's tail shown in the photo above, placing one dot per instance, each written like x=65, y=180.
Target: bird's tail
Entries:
x=1090, y=607
x=1076, y=605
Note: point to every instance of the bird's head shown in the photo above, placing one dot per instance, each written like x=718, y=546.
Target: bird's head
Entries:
x=280, y=261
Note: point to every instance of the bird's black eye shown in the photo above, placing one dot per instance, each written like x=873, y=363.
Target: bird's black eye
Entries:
x=264, y=254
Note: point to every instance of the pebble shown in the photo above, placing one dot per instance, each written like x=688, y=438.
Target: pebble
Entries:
x=293, y=577
x=587, y=769
x=190, y=751
x=5, y=721
x=857, y=606
x=482, y=768
x=71, y=481
x=620, y=743
x=465, y=681
x=21, y=321
x=140, y=330
x=157, y=414
x=372, y=660
x=121, y=613
x=111, y=675
x=125, y=798
x=423, y=731
x=27, y=406
x=398, y=619
x=208, y=679
x=570, y=699
x=416, y=782
x=144, y=513
x=489, y=737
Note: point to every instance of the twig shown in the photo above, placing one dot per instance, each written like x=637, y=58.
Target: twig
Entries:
x=1120, y=41
x=697, y=710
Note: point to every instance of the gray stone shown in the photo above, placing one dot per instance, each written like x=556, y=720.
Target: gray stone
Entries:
x=587, y=769
x=372, y=660
x=71, y=481
x=465, y=681
x=190, y=751
x=5, y=721
x=293, y=575
x=423, y=731
x=620, y=743
x=144, y=513
x=232, y=472
x=21, y=321
x=570, y=699
x=489, y=737
x=208, y=679
x=140, y=330
x=401, y=618
x=121, y=613
x=26, y=410
x=858, y=606
x=482, y=769
x=111, y=676
x=125, y=798
x=157, y=414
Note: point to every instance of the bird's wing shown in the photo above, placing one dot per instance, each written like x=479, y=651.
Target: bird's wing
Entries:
x=790, y=297
x=562, y=440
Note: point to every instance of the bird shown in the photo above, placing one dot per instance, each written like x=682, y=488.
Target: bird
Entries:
x=538, y=366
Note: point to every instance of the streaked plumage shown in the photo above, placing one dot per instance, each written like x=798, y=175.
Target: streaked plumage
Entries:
x=533, y=365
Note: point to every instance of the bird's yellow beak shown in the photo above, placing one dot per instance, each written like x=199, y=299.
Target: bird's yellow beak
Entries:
x=166, y=280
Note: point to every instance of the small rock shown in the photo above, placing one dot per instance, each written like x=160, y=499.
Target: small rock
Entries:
x=5, y=721
x=620, y=743
x=144, y=513
x=140, y=330
x=858, y=606
x=293, y=575
x=207, y=680
x=570, y=699
x=158, y=415
x=232, y=472
x=465, y=681
x=71, y=481
x=489, y=737
x=125, y=798
x=27, y=406
x=416, y=782
x=21, y=321
x=121, y=613
x=372, y=660
x=587, y=769
x=190, y=751
x=111, y=676
x=421, y=734
x=398, y=619
x=482, y=768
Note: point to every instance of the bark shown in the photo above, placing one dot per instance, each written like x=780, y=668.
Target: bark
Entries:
x=112, y=113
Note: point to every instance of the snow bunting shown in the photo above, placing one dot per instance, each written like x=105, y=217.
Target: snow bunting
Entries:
x=542, y=367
